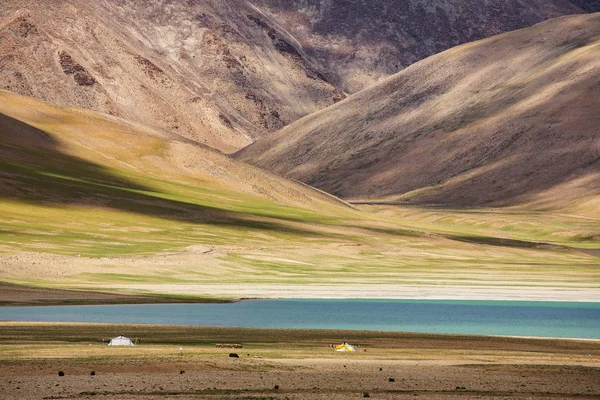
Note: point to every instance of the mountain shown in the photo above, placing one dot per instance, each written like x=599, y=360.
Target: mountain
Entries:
x=513, y=119
x=356, y=43
x=72, y=157
x=211, y=71
x=224, y=73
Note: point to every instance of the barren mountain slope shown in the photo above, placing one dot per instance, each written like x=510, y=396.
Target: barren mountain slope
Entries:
x=359, y=42
x=212, y=71
x=224, y=73
x=507, y=120
x=587, y=5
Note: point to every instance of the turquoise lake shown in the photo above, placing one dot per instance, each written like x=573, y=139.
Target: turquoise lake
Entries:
x=507, y=318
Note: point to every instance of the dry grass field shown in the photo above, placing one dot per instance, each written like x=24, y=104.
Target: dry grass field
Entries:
x=91, y=202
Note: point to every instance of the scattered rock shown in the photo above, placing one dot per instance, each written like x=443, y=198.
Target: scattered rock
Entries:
x=149, y=67
x=234, y=355
x=84, y=79
x=68, y=65
x=227, y=122
x=71, y=67
x=61, y=373
x=25, y=28
x=391, y=380
x=337, y=97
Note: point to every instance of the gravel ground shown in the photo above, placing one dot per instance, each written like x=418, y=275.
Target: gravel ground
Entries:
x=289, y=364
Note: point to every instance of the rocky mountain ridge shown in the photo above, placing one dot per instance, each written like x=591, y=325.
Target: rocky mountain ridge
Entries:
x=224, y=73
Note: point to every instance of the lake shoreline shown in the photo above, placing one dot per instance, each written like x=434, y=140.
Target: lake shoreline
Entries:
x=73, y=332
x=488, y=318
x=340, y=332
x=17, y=295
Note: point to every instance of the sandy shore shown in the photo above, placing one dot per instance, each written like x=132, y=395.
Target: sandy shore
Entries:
x=287, y=364
x=575, y=293
x=20, y=295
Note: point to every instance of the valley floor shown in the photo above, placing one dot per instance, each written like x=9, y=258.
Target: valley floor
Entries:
x=288, y=364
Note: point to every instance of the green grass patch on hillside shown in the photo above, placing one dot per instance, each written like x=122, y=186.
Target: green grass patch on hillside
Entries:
x=518, y=228
x=110, y=194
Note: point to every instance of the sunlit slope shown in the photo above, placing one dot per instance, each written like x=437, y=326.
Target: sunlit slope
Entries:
x=510, y=120
x=77, y=159
x=93, y=202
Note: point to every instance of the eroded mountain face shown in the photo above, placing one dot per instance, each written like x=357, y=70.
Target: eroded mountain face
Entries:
x=587, y=5
x=357, y=43
x=226, y=72
x=212, y=71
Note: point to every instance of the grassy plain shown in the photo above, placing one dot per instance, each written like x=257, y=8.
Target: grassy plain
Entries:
x=91, y=202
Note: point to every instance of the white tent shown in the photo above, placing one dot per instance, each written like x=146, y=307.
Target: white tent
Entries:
x=120, y=341
x=345, y=347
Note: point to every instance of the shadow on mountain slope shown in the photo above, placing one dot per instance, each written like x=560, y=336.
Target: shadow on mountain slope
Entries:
x=34, y=170
x=357, y=43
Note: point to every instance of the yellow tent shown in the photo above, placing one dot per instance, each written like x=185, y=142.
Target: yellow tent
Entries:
x=345, y=348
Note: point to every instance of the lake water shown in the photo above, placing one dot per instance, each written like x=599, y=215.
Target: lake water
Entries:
x=511, y=318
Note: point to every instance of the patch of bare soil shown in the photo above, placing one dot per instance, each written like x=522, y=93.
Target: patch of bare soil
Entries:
x=221, y=379
x=441, y=367
x=592, y=252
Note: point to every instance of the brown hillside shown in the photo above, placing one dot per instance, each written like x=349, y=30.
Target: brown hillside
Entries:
x=224, y=73
x=212, y=71
x=587, y=5
x=356, y=43
x=509, y=120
